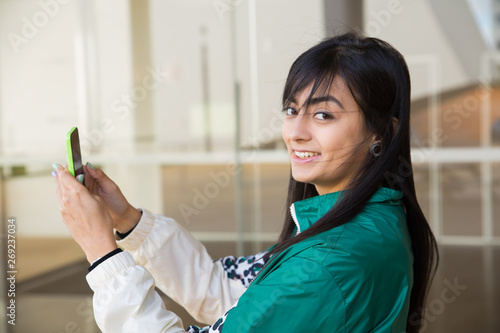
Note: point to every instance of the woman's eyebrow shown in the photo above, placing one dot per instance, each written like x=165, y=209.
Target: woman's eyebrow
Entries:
x=327, y=98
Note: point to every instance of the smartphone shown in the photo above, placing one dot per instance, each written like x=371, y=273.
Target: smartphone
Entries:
x=73, y=152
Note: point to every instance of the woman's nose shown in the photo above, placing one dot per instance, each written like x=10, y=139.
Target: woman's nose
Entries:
x=298, y=128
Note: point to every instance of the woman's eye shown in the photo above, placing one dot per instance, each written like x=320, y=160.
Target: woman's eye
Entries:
x=322, y=116
x=290, y=111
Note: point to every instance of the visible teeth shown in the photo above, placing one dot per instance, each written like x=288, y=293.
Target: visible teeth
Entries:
x=305, y=154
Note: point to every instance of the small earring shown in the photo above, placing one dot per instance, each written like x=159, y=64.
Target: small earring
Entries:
x=376, y=148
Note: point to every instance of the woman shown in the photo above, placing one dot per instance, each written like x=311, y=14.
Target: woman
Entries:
x=355, y=253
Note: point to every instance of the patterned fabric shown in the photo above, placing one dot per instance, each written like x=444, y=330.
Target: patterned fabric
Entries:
x=215, y=328
x=196, y=329
x=244, y=269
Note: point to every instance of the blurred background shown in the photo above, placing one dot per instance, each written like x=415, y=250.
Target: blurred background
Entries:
x=179, y=102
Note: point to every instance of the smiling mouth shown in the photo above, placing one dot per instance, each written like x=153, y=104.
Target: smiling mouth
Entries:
x=305, y=154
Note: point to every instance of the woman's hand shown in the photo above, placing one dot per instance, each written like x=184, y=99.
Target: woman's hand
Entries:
x=124, y=215
x=85, y=215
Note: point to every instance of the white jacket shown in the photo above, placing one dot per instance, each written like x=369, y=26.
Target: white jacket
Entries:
x=160, y=250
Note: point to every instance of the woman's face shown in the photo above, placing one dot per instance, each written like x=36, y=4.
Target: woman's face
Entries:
x=328, y=140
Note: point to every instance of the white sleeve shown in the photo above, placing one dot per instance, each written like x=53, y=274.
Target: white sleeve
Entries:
x=182, y=268
x=125, y=299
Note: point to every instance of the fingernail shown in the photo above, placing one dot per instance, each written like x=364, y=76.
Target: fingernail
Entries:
x=54, y=173
x=90, y=165
x=55, y=166
x=80, y=179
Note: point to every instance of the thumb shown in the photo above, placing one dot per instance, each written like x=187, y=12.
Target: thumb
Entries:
x=96, y=173
x=106, y=184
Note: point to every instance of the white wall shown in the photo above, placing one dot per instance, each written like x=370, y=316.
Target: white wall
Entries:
x=415, y=30
x=283, y=30
x=75, y=67
x=65, y=63
x=110, y=115
x=37, y=85
x=178, y=30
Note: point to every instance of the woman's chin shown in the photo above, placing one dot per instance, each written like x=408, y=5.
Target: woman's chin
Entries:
x=302, y=178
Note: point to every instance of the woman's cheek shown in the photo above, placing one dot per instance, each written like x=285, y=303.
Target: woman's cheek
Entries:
x=284, y=135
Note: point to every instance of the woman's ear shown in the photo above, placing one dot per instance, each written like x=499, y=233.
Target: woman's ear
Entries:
x=395, y=128
x=395, y=125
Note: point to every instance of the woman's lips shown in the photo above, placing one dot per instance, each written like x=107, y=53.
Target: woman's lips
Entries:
x=304, y=156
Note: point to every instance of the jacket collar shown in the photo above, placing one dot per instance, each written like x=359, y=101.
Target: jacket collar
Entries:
x=306, y=212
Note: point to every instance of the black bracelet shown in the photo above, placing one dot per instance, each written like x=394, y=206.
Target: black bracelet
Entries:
x=100, y=260
x=122, y=236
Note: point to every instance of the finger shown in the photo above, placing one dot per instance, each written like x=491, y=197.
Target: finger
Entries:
x=58, y=186
x=90, y=182
x=104, y=184
x=63, y=195
x=66, y=179
x=74, y=199
x=97, y=173
x=72, y=193
x=61, y=189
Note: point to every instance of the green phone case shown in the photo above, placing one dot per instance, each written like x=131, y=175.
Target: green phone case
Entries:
x=69, y=151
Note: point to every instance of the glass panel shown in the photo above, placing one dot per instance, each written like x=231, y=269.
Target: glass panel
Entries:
x=194, y=110
x=39, y=81
x=460, y=118
x=496, y=199
x=420, y=106
x=495, y=116
x=461, y=199
x=274, y=184
x=421, y=177
x=264, y=214
x=200, y=197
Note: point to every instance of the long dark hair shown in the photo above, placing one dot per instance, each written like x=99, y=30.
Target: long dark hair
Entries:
x=378, y=79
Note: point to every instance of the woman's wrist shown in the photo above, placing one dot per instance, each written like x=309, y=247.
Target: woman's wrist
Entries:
x=94, y=255
x=131, y=219
x=99, y=260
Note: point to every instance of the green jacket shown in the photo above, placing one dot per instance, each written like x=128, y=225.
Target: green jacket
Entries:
x=353, y=278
